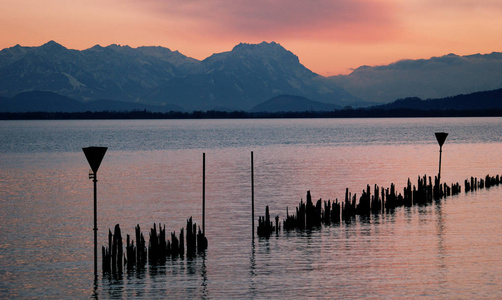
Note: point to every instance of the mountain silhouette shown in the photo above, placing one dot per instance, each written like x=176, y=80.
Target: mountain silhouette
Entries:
x=234, y=80
x=437, y=77
x=239, y=79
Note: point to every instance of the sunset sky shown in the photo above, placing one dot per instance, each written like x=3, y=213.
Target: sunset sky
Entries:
x=329, y=36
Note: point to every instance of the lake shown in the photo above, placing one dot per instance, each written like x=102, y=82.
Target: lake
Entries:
x=152, y=173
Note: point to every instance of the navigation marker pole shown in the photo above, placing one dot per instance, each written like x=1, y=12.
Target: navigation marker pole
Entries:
x=94, y=156
x=441, y=137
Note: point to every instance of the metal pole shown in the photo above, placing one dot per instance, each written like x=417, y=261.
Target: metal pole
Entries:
x=94, y=156
x=252, y=192
x=204, y=194
x=95, y=180
x=439, y=175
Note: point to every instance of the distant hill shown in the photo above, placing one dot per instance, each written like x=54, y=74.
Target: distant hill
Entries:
x=474, y=101
x=40, y=101
x=481, y=104
x=437, y=77
x=112, y=105
x=289, y=103
x=234, y=80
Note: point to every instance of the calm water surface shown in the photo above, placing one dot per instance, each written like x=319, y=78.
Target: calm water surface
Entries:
x=152, y=173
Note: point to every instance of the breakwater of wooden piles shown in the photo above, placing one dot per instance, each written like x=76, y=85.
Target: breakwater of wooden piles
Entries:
x=474, y=184
x=381, y=200
x=138, y=255
x=265, y=226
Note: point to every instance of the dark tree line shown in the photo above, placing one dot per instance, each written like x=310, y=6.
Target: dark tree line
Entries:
x=343, y=113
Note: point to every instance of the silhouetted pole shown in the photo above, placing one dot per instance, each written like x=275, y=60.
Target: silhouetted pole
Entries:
x=204, y=194
x=252, y=192
x=94, y=156
x=441, y=137
x=95, y=229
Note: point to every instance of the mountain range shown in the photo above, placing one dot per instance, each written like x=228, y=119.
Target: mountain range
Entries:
x=437, y=77
x=158, y=79
x=234, y=80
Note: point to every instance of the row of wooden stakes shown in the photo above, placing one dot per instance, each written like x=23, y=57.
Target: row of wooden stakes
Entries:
x=159, y=249
x=309, y=216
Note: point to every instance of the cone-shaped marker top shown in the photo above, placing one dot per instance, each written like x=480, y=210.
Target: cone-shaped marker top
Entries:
x=94, y=156
x=441, y=137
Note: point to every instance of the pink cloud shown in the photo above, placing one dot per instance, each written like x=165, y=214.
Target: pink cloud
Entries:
x=269, y=19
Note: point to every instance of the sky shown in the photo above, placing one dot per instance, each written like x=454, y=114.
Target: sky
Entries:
x=330, y=37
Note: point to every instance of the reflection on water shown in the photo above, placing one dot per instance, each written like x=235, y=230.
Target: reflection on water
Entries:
x=152, y=173
x=252, y=270
x=178, y=277
x=441, y=251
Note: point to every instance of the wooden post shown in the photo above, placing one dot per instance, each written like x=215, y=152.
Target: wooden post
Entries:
x=204, y=193
x=252, y=193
